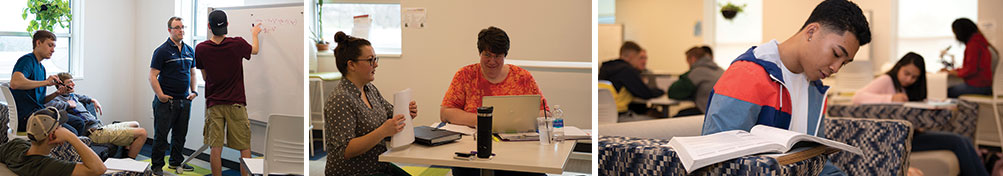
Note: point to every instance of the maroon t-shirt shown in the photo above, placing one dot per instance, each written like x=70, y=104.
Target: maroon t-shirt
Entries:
x=224, y=69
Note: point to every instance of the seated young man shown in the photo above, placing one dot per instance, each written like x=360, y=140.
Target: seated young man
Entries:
x=778, y=84
x=45, y=132
x=127, y=134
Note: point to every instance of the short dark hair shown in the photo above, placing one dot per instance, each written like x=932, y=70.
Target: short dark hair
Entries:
x=840, y=16
x=493, y=39
x=916, y=91
x=963, y=29
x=349, y=48
x=696, y=52
x=41, y=35
x=629, y=46
x=708, y=50
x=169, y=21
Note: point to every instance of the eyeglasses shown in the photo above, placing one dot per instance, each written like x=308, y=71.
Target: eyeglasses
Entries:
x=372, y=60
x=492, y=55
x=178, y=27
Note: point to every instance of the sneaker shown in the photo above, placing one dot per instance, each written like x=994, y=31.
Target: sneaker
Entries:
x=185, y=167
x=157, y=171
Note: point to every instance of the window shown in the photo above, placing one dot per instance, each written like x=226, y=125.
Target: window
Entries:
x=384, y=32
x=607, y=11
x=928, y=33
x=16, y=42
x=734, y=37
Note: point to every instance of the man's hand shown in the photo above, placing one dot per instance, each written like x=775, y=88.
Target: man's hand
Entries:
x=192, y=96
x=97, y=106
x=52, y=80
x=60, y=135
x=164, y=98
x=256, y=29
x=72, y=104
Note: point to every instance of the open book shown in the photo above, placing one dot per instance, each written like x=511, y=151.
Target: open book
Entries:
x=699, y=151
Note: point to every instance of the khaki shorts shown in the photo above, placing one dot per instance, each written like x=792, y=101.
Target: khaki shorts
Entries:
x=119, y=134
x=229, y=120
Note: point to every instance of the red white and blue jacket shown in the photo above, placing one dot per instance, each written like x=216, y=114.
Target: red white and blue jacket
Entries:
x=752, y=92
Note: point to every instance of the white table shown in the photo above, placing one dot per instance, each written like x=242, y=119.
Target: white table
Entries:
x=662, y=101
x=524, y=156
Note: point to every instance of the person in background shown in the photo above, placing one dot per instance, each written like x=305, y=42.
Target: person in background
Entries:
x=28, y=80
x=356, y=117
x=697, y=83
x=977, y=70
x=625, y=75
x=906, y=81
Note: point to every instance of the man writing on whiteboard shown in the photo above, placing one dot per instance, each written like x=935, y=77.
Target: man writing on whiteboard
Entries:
x=171, y=79
x=220, y=60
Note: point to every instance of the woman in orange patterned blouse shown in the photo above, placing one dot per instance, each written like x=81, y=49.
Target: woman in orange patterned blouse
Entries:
x=490, y=77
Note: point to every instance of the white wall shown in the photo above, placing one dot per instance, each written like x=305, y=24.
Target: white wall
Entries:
x=108, y=54
x=989, y=11
x=664, y=28
x=539, y=30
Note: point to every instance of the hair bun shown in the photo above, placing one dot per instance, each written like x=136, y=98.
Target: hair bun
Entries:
x=340, y=37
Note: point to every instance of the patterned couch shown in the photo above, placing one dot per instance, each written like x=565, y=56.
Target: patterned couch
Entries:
x=885, y=144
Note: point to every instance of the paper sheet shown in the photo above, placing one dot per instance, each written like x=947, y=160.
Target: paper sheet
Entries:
x=456, y=128
x=402, y=100
x=125, y=164
x=414, y=18
x=362, y=25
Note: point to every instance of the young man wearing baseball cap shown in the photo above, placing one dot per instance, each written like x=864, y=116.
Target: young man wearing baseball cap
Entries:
x=220, y=60
x=45, y=132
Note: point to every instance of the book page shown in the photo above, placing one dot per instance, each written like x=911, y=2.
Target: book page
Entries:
x=776, y=135
x=790, y=138
x=402, y=100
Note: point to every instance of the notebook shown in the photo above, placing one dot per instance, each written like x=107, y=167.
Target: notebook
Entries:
x=430, y=136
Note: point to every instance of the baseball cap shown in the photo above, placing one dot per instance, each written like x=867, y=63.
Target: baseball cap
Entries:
x=43, y=122
x=217, y=22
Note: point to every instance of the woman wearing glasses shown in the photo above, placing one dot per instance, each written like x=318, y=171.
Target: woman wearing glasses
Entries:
x=357, y=117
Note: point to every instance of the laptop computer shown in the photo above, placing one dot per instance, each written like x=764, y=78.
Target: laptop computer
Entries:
x=513, y=113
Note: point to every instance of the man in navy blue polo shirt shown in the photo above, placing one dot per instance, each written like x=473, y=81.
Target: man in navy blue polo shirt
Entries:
x=171, y=78
x=28, y=80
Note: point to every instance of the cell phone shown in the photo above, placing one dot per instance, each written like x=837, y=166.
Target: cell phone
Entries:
x=461, y=154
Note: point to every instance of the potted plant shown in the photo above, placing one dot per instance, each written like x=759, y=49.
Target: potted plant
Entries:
x=319, y=41
x=730, y=10
x=317, y=38
x=46, y=14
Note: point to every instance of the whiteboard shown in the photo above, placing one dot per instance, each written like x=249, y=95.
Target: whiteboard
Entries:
x=610, y=39
x=273, y=79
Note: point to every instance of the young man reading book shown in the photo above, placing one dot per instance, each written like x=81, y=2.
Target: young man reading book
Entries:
x=777, y=84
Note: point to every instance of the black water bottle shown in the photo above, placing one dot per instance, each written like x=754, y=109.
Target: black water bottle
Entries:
x=484, y=131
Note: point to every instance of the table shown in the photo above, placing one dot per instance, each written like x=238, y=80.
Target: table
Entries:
x=524, y=156
x=961, y=121
x=663, y=102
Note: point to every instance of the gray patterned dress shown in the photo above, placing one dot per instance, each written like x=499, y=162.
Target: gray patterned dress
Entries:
x=347, y=117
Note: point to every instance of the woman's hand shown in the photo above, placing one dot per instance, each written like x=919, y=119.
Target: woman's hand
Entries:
x=414, y=109
x=900, y=97
x=391, y=126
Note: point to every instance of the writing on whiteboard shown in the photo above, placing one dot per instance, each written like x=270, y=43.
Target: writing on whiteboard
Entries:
x=273, y=24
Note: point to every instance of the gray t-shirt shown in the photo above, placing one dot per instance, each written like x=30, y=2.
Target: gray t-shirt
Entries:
x=13, y=152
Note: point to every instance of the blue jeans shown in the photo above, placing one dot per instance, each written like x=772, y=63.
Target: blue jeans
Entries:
x=75, y=124
x=172, y=115
x=957, y=90
x=970, y=162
